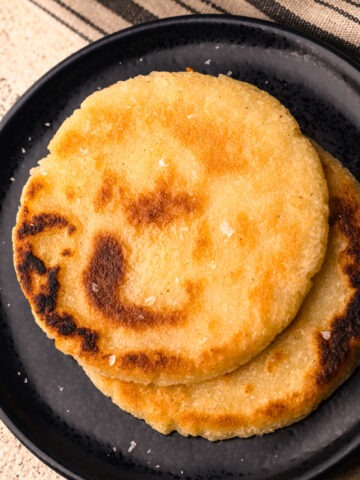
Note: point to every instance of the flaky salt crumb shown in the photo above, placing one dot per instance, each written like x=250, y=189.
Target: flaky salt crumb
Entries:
x=60, y=388
x=217, y=47
x=150, y=300
x=25, y=380
x=114, y=449
x=94, y=287
x=9, y=304
x=29, y=139
x=182, y=472
x=208, y=61
x=23, y=150
x=229, y=73
x=19, y=373
x=132, y=446
x=226, y=229
x=326, y=334
x=157, y=466
x=12, y=179
x=47, y=124
x=141, y=59
x=162, y=163
x=112, y=360
x=68, y=411
x=148, y=451
x=83, y=151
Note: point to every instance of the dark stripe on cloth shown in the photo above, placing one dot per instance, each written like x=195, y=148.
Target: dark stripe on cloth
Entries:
x=285, y=17
x=214, y=6
x=129, y=10
x=188, y=8
x=60, y=20
x=338, y=10
x=81, y=17
x=351, y=2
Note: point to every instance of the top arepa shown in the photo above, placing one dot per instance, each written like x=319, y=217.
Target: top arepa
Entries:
x=174, y=228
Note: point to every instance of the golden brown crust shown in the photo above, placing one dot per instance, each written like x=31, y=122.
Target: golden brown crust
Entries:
x=168, y=213
x=296, y=372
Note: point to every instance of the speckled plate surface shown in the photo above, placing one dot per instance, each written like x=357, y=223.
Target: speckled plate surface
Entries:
x=45, y=398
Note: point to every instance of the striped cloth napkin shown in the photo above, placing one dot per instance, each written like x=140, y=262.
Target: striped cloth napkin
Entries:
x=37, y=34
x=336, y=22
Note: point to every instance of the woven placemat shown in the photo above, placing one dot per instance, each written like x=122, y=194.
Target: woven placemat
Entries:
x=37, y=34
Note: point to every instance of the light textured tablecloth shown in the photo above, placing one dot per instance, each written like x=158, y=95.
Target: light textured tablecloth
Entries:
x=36, y=34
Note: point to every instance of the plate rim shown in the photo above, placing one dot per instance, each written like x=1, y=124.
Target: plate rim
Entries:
x=333, y=56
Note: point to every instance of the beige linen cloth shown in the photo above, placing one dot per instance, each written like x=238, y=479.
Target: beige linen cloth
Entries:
x=37, y=34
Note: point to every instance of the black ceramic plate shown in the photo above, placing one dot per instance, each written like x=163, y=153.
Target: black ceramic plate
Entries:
x=46, y=399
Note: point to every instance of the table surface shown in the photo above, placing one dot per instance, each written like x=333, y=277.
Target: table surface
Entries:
x=27, y=52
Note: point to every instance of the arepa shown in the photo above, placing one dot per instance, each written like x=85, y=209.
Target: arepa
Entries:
x=174, y=228
x=297, y=371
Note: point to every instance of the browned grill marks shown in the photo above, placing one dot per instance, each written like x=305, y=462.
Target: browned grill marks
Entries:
x=103, y=278
x=46, y=299
x=160, y=207
x=345, y=329
x=39, y=223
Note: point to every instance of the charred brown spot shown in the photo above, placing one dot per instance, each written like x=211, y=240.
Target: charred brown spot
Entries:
x=29, y=263
x=89, y=339
x=335, y=351
x=45, y=301
x=103, y=279
x=345, y=329
x=64, y=324
x=105, y=194
x=66, y=252
x=33, y=189
x=160, y=207
x=39, y=223
x=71, y=229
